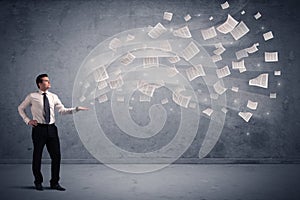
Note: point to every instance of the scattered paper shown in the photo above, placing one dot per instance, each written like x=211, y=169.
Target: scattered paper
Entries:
x=253, y=48
x=172, y=71
x=164, y=101
x=120, y=98
x=239, y=31
x=101, y=85
x=209, y=33
x=216, y=58
x=208, y=111
x=245, y=115
x=146, y=88
x=194, y=72
x=220, y=49
x=243, y=12
x=225, y=5
x=257, y=15
x=252, y=105
x=183, y=32
x=130, y=37
x=117, y=83
x=114, y=44
x=260, y=81
x=211, y=18
x=100, y=74
x=165, y=45
x=268, y=35
x=228, y=25
x=103, y=98
x=219, y=88
x=224, y=110
x=181, y=100
x=145, y=98
x=238, y=64
x=174, y=59
x=273, y=95
x=190, y=51
x=187, y=17
x=241, y=54
x=277, y=73
x=150, y=62
x=158, y=30
x=168, y=16
x=223, y=72
x=235, y=89
x=127, y=59
x=271, y=56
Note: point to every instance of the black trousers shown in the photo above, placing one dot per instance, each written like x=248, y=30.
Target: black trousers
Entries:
x=45, y=135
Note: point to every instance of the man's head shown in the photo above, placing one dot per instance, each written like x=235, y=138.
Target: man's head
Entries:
x=43, y=82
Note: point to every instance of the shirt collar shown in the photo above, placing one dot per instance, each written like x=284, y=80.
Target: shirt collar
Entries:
x=41, y=92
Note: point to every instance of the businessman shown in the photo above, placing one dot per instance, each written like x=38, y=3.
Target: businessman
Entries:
x=44, y=130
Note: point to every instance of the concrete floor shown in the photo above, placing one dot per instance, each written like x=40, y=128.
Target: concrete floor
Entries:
x=180, y=181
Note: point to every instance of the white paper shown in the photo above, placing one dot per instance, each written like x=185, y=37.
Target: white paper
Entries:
x=172, y=71
x=277, y=73
x=239, y=31
x=183, y=32
x=187, y=17
x=208, y=111
x=235, y=89
x=243, y=12
x=103, y=98
x=220, y=49
x=114, y=44
x=150, y=62
x=127, y=59
x=190, y=51
x=164, y=101
x=130, y=37
x=228, y=25
x=245, y=115
x=252, y=104
x=168, y=16
x=238, y=64
x=120, y=98
x=209, y=33
x=224, y=110
x=219, y=88
x=260, y=81
x=100, y=74
x=225, y=5
x=271, y=56
x=165, y=45
x=101, y=85
x=216, y=58
x=145, y=98
x=117, y=83
x=241, y=54
x=257, y=15
x=268, y=35
x=147, y=89
x=194, y=72
x=223, y=72
x=180, y=99
x=273, y=95
x=253, y=48
x=158, y=30
x=174, y=59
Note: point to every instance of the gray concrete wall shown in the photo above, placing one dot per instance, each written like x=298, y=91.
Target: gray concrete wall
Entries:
x=54, y=37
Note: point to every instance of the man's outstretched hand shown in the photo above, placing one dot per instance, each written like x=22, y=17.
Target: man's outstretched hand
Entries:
x=79, y=108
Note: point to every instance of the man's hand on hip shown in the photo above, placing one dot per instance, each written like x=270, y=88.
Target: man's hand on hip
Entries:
x=33, y=123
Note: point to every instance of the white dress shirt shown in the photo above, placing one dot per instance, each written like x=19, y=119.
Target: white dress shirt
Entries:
x=36, y=101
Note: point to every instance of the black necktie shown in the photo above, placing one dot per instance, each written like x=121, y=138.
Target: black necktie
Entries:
x=46, y=109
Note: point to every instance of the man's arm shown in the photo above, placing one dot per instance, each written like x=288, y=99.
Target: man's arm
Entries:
x=22, y=107
x=62, y=110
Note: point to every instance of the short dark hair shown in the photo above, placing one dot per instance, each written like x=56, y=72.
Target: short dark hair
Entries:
x=39, y=79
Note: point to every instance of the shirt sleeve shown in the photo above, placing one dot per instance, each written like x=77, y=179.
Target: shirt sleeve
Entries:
x=61, y=108
x=22, y=107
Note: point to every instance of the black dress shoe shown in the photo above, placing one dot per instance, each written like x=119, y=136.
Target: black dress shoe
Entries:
x=57, y=187
x=38, y=186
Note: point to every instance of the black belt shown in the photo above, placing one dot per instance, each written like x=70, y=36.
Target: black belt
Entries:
x=45, y=125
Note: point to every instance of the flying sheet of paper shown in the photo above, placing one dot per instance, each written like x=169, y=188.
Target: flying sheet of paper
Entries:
x=174, y=59
x=245, y=115
x=243, y=12
x=190, y=51
x=115, y=44
x=125, y=60
x=239, y=31
x=147, y=89
x=120, y=98
x=238, y=64
x=157, y=31
x=130, y=37
x=220, y=49
x=145, y=98
x=100, y=74
x=150, y=62
x=164, y=101
x=223, y=72
x=260, y=81
x=277, y=73
x=219, y=88
x=257, y=15
x=183, y=32
x=216, y=58
x=103, y=98
x=241, y=70
x=273, y=95
x=224, y=110
x=235, y=89
x=117, y=83
x=101, y=85
x=211, y=18
x=208, y=111
x=225, y=5
x=228, y=25
x=268, y=35
x=180, y=99
x=172, y=71
x=209, y=33
x=252, y=104
x=187, y=17
x=241, y=54
x=168, y=16
x=271, y=56
x=165, y=45
x=253, y=48
x=193, y=73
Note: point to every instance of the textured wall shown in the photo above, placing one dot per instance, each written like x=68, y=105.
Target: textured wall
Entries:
x=54, y=37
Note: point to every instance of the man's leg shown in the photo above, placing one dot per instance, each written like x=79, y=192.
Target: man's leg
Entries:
x=53, y=148
x=39, y=140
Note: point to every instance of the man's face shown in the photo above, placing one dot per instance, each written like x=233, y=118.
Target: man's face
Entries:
x=45, y=84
